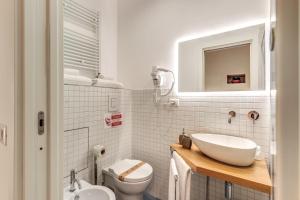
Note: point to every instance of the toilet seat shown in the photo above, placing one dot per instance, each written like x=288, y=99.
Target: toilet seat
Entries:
x=141, y=174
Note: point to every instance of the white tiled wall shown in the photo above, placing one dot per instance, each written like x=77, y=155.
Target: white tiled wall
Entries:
x=76, y=150
x=148, y=130
x=84, y=109
x=156, y=127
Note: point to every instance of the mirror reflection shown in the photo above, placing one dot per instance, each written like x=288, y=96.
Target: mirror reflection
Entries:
x=229, y=61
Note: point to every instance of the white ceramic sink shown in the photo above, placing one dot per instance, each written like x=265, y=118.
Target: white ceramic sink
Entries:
x=228, y=149
x=93, y=193
x=89, y=192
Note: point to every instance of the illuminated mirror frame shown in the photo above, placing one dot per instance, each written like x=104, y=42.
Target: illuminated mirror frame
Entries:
x=265, y=92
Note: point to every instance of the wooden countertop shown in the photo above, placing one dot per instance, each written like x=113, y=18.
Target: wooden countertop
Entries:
x=255, y=176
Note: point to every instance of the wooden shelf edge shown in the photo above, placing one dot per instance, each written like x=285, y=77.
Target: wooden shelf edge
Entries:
x=249, y=184
x=262, y=187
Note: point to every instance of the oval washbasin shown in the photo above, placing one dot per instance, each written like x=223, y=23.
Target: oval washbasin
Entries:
x=228, y=149
x=94, y=193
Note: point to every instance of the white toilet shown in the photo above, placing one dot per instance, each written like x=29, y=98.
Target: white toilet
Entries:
x=134, y=184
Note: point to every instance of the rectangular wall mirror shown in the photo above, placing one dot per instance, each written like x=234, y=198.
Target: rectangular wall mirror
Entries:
x=229, y=61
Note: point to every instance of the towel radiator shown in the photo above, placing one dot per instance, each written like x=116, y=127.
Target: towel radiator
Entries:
x=81, y=37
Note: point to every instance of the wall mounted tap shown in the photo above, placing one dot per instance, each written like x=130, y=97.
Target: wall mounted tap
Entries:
x=253, y=115
x=231, y=115
x=73, y=180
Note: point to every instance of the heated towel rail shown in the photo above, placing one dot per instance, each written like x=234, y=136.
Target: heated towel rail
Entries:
x=81, y=37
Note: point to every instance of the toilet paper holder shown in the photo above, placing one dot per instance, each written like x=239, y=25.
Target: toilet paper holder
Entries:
x=99, y=151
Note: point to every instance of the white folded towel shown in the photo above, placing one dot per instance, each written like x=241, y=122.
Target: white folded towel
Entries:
x=109, y=84
x=72, y=78
x=184, y=172
x=77, y=80
x=173, y=181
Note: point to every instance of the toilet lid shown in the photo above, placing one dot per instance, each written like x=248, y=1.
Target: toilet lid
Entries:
x=142, y=173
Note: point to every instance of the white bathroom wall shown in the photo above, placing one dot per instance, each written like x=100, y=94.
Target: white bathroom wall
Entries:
x=148, y=30
x=108, y=34
x=84, y=110
x=109, y=38
x=8, y=98
x=147, y=35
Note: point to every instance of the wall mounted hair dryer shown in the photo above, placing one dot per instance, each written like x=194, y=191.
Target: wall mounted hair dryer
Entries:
x=158, y=82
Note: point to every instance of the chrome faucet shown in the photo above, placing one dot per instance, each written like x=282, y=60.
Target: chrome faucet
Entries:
x=73, y=180
x=231, y=114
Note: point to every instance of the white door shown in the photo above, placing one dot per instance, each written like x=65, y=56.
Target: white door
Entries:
x=7, y=100
x=35, y=73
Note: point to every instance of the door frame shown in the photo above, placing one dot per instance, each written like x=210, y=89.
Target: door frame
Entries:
x=56, y=91
x=14, y=121
x=18, y=101
x=42, y=60
x=34, y=98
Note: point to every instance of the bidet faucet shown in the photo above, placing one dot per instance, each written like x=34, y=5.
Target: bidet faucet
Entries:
x=77, y=197
x=73, y=180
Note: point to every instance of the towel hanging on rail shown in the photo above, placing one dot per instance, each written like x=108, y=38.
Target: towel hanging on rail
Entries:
x=173, y=181
x=184, y=174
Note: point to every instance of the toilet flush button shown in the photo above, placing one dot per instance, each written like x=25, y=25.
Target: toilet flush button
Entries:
x=113, y=103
